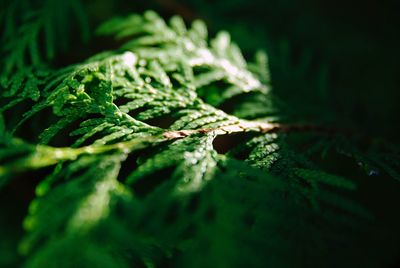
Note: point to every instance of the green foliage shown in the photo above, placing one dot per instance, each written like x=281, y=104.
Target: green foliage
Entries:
x=22, y=23
x=128, y=191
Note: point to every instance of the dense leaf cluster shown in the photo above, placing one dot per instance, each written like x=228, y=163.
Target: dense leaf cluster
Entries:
x=143, y=173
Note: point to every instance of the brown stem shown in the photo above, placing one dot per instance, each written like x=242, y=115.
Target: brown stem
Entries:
x=263, y=127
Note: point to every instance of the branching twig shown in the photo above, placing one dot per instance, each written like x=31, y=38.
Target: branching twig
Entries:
x=43, y=155
x=263, y=127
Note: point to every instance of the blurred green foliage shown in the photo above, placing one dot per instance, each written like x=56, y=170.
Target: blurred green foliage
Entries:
x=330, y=63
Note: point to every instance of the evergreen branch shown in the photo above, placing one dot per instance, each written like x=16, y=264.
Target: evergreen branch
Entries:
x=161, y=194
x=262, y=127
x=44, y=155
x=27, y=25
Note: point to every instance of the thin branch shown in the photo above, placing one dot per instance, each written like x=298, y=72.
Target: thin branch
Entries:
x=43, y=155
x=263, y=127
